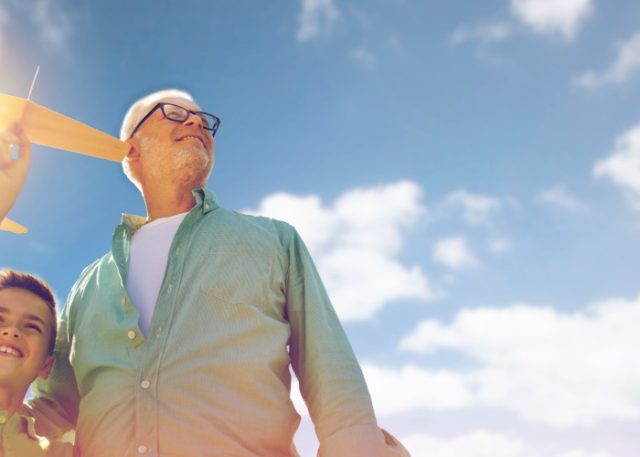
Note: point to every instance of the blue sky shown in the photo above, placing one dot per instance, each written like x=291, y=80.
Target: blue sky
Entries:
x=466, y=175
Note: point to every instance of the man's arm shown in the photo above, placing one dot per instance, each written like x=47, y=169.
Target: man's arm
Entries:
x=331, y=381
x=13, y=173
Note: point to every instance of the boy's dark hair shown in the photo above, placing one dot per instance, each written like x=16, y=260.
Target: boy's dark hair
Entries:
x=35, y=285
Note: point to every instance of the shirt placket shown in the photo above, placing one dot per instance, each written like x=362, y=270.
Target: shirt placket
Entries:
x=146, y=417
x=147, y=413
x=149, y=351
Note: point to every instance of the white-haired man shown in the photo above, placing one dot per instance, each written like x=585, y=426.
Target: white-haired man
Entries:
x=178, y=342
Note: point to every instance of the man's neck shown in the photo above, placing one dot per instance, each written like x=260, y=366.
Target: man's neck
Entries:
x=167, y=201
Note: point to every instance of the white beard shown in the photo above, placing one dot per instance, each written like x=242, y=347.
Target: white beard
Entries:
x=186, y=163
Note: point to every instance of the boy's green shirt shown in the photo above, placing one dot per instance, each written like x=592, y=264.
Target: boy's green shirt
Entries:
x=19, y=439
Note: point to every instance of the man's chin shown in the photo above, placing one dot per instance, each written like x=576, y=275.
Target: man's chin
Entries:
x=193, y=166
x=193, y=150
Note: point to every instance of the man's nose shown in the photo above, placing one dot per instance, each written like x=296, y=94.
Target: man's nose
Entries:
x=193, y=119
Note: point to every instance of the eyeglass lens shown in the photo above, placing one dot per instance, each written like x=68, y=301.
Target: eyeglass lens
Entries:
x=180, y=114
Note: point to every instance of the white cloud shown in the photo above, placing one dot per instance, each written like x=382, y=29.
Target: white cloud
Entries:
x=399, y=390
x=553, y=16
x=476, y=444
x=480, y=443
x=584, y=454
x=313, y=221
x=454, y=253
x=627, y=63
x=484, y=33
x=622, y=166
x=476, y=208
x=51, y=21
x=560, y=369
x=558, y=196
x=364, y=57
x=356, y=241
x=499, y=245
x=562, y=17
x=316, y=16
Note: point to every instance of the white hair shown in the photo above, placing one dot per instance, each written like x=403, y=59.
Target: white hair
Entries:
x=137, y=111
x=140, y=108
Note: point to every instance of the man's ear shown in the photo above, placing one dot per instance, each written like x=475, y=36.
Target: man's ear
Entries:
x=47, y=366
x=134, y=150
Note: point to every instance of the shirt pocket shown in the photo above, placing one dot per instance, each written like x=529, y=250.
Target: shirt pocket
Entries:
x=237, y=275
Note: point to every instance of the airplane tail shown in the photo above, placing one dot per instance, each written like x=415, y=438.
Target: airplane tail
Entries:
x=12, y=226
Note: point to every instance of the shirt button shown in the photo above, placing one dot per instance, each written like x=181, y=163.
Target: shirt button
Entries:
x=158, y=331
x=177, y=251
x=131, y=334
x=123, y=301
x=145, y=384
x=142, y=449
x=170, y=288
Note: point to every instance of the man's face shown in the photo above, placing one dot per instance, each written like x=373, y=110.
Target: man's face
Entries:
x=25, y=328
x=176, y=148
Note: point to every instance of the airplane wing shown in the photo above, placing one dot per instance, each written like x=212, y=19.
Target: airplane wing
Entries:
x=49, y=128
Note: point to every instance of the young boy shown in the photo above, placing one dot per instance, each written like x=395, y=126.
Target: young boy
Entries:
x=27, y=338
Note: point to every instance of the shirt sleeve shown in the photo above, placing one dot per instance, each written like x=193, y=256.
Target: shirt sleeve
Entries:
x=55, y=400
x=331, y=381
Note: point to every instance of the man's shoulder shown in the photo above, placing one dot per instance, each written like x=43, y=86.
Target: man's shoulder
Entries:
x=94, y=267
x=90, y=272
x=252, y=225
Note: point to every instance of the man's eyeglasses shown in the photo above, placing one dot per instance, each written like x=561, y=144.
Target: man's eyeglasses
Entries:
x=179, y=114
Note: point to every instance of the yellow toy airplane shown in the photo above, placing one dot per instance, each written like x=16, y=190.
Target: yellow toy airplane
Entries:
x=49, y=128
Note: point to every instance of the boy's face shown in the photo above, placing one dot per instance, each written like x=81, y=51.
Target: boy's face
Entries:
x=25, y=327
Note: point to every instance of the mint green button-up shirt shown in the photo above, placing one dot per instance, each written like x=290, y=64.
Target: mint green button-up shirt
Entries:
x=240, y=302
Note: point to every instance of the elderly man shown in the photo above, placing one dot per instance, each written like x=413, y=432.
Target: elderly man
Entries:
x=178, y=341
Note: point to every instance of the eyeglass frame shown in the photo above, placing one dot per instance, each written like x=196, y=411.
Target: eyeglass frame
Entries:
x=161, y=105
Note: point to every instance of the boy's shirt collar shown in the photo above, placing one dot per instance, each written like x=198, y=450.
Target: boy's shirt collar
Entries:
x=18, y=423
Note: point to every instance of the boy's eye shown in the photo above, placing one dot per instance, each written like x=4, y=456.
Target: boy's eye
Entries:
x=34, y=327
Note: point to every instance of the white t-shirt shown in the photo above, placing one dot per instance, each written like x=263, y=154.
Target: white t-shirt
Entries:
x=148, y=262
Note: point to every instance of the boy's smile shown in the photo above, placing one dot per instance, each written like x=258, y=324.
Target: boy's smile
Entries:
x=7, y=349
x=25, y=321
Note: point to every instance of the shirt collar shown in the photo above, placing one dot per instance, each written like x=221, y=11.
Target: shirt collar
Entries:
x=206, y=201
x=19, y=423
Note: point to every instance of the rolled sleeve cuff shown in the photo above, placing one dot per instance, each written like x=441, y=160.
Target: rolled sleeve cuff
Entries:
x=362, y=441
